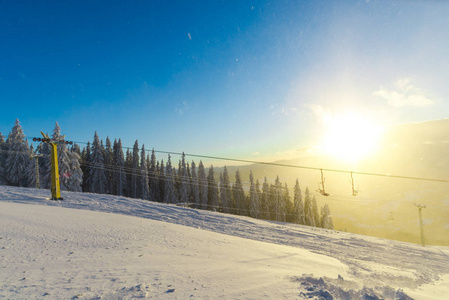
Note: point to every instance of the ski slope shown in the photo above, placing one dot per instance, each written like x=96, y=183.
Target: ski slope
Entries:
x=92, y=246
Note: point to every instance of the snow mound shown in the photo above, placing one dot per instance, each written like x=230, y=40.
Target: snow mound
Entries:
x=330, y=289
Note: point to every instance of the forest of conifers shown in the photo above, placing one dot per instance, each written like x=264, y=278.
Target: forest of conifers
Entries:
x=104, y=168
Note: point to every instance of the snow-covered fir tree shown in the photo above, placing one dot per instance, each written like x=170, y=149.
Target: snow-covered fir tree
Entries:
x=76, y=174
x=238, y=194
x=2, y=159
x=97, y=178
x=265, y=200
x=119, y=176
x=17, y=156
x=184, y=188
x=154, y=178
x=170, y=191
x=326, y=219
x=68, y=166
x=212, y=190
x=308, y=211
x=202, y=181
x=31, y=169
x=135, y=192
x=162, y=180
x=144, y=187
x=109, y=166
x=315, y=212
x=225, y=191
x=278, y=201
x=298, y=205
x=195, y=187
x=129, y=172
x=254, y=200
x=86, y=166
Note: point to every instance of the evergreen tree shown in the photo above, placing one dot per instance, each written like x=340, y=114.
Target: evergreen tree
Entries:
x=170, y=191
x=278, y=201
x=253, y=198
x=97, y=178
x=195, y=187
x=67, y=164
x=145, y=189
x=212, y=190
x=288, y=205
x=135, y=192
x=76, y=176
x=183, y=181
x=316, y=215
x=239, y=194
x=225, y=192
x=31, y=170
x=2, y=159
x=128, y=172
x=308, y=212
x=265, y=203
x=202, y=181
x=119, y=176
x=162, y=180
x=154, y=179
x=86, y=165
x=110, y=166
x=298, y=206
x=18, y=156
x=326, y=219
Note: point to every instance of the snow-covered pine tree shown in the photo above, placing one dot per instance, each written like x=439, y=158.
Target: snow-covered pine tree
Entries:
x=170, y=192
x=154, y=179
x=76, y=174
x=128, y=171
x=97, y=178
x=2, y=159
x=265, y=203
x=326, y=219
x=212, y=191
x=202, y=181
x=144, y=187
x=86, y=165
x=238, y=195
x=119, y=175
x=135, y=192
x=109, y=166
x=195, y=187
x=254, y=200
x=66, y=163
x=308, y=212
x=162, y=179
x=31, y=170
x=298, y=205
x=183, y=181
x=278, y=201
x=18, y=156
x=315, y=212
x=225, y=192
x=288, y=205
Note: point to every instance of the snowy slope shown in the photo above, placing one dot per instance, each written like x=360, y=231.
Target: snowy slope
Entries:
x=112, y=247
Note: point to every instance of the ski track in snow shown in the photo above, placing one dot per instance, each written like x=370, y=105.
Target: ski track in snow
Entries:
x=370, y=262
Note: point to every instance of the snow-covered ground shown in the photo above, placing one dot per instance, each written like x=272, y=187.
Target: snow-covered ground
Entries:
x=91, y=246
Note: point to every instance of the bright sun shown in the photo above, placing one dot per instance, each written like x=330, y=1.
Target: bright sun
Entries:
x=349, y=137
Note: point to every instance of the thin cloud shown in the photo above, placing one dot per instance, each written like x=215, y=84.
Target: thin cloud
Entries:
x=405, y=94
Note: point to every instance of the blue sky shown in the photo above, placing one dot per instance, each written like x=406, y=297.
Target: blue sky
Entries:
x=243, y=79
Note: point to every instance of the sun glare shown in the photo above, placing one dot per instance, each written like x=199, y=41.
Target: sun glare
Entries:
x=349, y=137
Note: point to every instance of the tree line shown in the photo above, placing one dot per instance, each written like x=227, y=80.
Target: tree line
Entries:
x=104, y=168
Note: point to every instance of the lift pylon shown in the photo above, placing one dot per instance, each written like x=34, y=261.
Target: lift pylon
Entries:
x=55, y=187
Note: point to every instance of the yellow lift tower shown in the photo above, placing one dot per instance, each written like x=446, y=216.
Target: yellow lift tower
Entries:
x=55, y=187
